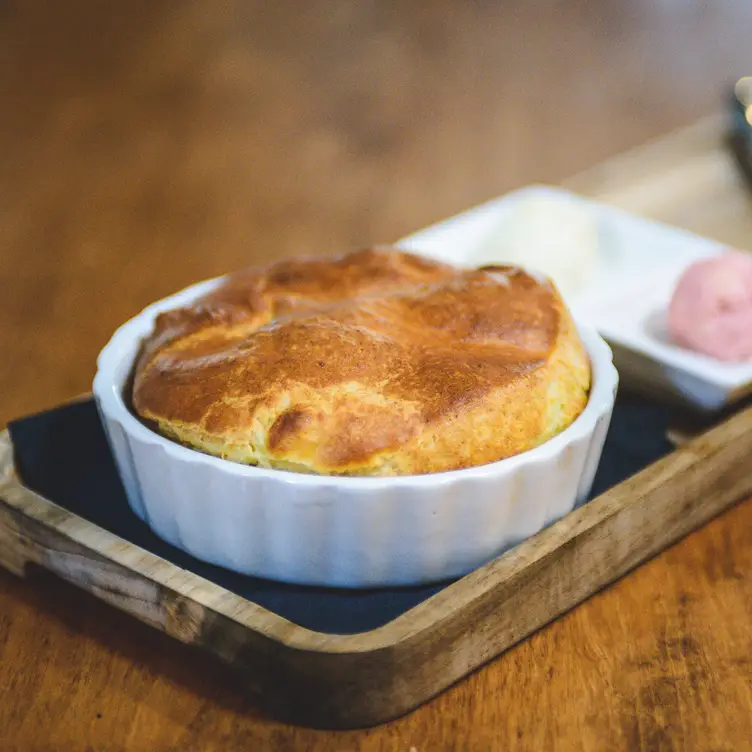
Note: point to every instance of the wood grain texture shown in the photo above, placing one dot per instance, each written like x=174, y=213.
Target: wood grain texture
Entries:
x=354, y=681
x=147, y=145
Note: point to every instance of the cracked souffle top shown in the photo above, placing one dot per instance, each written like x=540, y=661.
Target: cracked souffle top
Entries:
x=375, y=363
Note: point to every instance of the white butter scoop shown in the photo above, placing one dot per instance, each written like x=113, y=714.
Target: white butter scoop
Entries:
x=546, y=234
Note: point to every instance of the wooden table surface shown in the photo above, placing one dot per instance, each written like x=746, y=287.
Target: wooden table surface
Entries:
x=146, y=145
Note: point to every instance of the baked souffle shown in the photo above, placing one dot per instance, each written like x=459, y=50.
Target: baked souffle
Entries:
x=379, y=362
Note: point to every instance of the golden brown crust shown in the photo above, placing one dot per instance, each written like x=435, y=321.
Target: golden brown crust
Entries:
x=377, y=363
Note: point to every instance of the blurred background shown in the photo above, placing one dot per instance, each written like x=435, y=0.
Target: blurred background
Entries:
x=147, y=145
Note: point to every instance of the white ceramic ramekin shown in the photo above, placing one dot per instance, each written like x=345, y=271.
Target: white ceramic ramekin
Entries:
x=353, y=532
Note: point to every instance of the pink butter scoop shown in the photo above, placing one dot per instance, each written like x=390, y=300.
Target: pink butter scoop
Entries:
x=711, y=308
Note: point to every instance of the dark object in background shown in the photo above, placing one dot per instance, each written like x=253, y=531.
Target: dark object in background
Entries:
x=740, y=130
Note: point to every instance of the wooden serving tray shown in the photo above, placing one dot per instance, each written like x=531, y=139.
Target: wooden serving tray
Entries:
x=325, y=679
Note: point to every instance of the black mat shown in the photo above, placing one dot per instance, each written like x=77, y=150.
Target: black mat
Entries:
x=63, y=455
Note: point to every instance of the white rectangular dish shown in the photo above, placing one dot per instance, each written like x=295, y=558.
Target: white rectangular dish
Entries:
x=639, y=262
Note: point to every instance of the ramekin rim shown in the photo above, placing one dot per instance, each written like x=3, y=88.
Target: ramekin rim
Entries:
x=124, y=342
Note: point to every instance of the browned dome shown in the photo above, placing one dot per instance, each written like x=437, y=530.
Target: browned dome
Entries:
x=375, y=363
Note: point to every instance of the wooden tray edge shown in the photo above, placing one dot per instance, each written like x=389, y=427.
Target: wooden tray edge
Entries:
x=359, y=679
